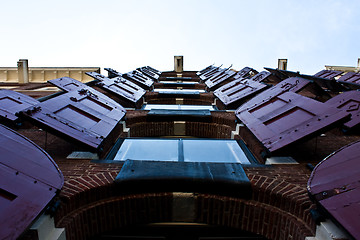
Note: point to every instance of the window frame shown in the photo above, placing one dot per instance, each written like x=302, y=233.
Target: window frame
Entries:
x=250, y=157
x=179, y=107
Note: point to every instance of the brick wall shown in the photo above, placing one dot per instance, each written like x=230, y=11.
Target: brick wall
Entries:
x=253, y=216
x=92, y=203
x=191, y=74
x=152, y=129
x=220, y=126
x=156, y=98
x=112, y=213
x=195, y=86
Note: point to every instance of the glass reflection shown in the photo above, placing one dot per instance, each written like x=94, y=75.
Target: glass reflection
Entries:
x=178, y=107
x=148, y=149
x=188, y=150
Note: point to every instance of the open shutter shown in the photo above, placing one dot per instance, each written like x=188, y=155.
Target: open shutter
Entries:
x=329, y=74
x=237, y=90
x=12, y=102
x=84, y=115
x=140, y=79
x=293, y=84
x=349, y=102
x=219, y=78
x=149, y=72
x=119, y=86
x=335, y=185
x=29, y=180
x=287, y=118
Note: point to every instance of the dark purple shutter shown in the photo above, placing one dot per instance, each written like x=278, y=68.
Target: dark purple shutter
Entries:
x=113, y=73
x=293, y=84
x=139, y=78
x=330, y=74
x=84, y=115
x=119, y=86
x=351, y=77
x=69, y=84
x=12, y=102
x=335, y=185
x=154, y=70
x=349, y=102
x=261, y=76
x=237, y=90
x=286, y=118
x=29, y=180
x=149, y=72
x=203, y=71
x=245, y=73
x=219, y=78
x=211, y=73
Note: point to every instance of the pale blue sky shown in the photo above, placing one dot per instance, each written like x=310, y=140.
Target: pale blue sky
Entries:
x=127, y=34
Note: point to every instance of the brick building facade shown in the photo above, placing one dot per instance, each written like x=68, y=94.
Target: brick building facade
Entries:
x=91, y=205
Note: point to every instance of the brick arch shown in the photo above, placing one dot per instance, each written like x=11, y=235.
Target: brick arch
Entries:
x=97, y=210
x=275, y=187
x=252, y=216
x=116, y=212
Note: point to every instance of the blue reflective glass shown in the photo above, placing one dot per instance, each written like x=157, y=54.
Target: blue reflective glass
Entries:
x=148, y=149
x=183, y=83
x=188, y=150
x=213, y=151
x=178, y=91
x=178, y=107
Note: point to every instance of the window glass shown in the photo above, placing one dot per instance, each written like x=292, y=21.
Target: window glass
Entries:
x=188, y=150
x=213, y=151
x=197, y=107
x=148, y=149
x=178, y=91
x=181, y=82
x=178, y=107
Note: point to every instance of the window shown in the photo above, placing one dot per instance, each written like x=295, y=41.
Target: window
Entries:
x=178, y=91
x=178, y=107
x=183, y=150
x=213, y=151
x=148, y=149
x=178, y=82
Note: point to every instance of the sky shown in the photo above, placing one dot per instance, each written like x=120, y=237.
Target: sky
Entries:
x=126, y=34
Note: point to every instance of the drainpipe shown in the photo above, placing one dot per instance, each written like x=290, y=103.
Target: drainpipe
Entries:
x=23, y=71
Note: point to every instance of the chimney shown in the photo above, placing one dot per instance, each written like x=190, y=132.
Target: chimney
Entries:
x=282, y=64
x=358, y=65
x=178, y=64
x=23, y=71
